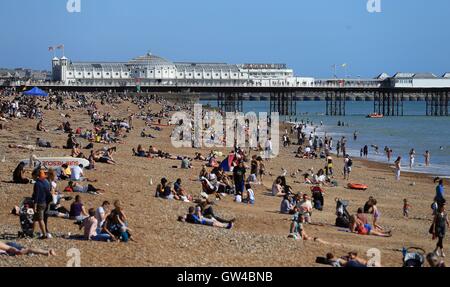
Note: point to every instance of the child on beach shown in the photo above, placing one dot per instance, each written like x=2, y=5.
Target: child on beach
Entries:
x=406, y=207
x=250, y=194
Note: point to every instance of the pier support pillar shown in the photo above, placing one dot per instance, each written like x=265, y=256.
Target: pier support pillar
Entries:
x=230, y=102
x=283, y=103
x=335, y=103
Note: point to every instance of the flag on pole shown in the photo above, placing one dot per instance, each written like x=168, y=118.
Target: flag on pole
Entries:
x=60, y=47
x=344, y=65
x=51, y=49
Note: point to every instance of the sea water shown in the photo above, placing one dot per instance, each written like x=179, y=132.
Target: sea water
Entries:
x=401, y=134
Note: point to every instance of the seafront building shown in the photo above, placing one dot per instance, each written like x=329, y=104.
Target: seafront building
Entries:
x=151, y=69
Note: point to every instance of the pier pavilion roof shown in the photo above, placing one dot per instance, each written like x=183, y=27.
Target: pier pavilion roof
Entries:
x=425, y=76
x=404, y=75
x=151, y=61
x=217, y=67
x=98, y=66
x=383, y=76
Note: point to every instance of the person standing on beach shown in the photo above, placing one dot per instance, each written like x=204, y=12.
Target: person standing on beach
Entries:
x=389, y=154
x=439, y=198
x=355, y=135
x=427, y=158
x=343, y=146
x=439, y=227
x=239, y=178
x=347, y=167
x=338, y=148
x=406, y=208
x=268, y=148
x=366, y=151
x=412, y=155
x=398, y=168
x=41, y=197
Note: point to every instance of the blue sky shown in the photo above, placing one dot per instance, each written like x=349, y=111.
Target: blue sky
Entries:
x=309, y=35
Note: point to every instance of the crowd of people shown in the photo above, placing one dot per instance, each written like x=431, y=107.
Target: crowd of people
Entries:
x=236, y=174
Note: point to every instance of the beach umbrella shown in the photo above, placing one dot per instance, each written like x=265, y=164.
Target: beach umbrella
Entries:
x=36, y=92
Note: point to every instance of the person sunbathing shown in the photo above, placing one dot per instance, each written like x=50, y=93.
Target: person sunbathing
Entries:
x=14, y=249
x=43, y=143
x=195, y=216
x=19, y=146
x=140, y=152
x=144, y=135
x=199, y=156
x=106, y=157
x=77, y=187
x=359, y=227
x=153, y=150
x=208, y=211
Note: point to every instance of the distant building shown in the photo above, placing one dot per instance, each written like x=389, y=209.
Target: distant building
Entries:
x=420, y=80
x=151, y=69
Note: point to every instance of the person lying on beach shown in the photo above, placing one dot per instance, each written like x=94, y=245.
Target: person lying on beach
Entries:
x=359, y=227
x=77, y=187
x=140, y=152
x=144, y=135
x=207, y=211
x=153, y=150
x=106, y=157
x=199, y=156
x=43, y=143
x=14, y=249
x=195, y=216
x=19, y=175
x=19, y=146
x=351, y=260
